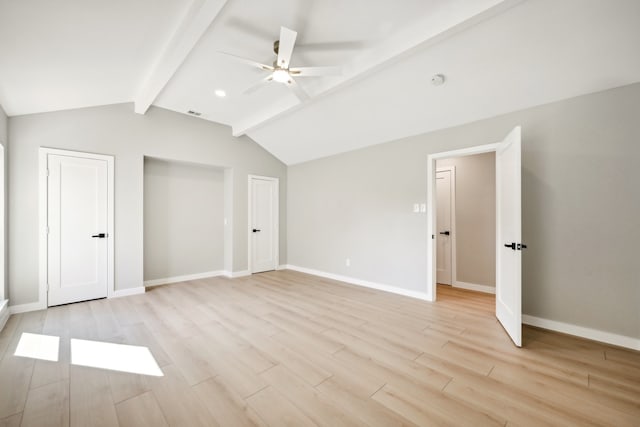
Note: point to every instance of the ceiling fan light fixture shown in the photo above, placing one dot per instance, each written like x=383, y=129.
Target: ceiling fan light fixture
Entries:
x=281, y=75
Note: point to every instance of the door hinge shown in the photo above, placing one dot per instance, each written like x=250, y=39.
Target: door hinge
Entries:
x=46, y=229
x=47, y=172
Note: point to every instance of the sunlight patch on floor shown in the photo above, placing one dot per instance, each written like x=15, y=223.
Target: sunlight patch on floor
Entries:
x=37, y=346
x=116, y=357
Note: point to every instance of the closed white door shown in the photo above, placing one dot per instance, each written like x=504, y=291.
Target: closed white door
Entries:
x=263, y=223
x=77, y=213
x=443, y=219
x=509, y=234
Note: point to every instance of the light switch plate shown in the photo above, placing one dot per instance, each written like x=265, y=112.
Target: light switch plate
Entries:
x=416, y=207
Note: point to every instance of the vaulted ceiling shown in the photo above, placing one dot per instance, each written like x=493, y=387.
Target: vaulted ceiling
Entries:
x=496, y=55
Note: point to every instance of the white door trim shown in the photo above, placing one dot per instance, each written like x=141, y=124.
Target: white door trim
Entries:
x=431, y=200
x=42, y=209
x=452, y=171
x=276, y=220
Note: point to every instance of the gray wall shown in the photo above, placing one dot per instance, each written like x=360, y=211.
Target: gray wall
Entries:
x=4, y=141
x=475, y=220
x=3, y=126
x=183, y=219
x=581, y=206
x=118, y=131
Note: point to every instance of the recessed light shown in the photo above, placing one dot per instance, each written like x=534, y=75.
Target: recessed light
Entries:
x=220, y=93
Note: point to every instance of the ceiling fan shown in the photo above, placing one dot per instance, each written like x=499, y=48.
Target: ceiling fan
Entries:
x=281, y=71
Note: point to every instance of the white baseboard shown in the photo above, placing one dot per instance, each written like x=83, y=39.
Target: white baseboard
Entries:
x=127, y=292
x=474, y=287
x=364, y=283
x=185, y=278
x=581, y=331
x=235, y=274
x=23, y=308
x=4, y=313
x=282, y=267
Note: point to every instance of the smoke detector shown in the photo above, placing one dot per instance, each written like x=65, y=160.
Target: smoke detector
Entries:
x=437, y=79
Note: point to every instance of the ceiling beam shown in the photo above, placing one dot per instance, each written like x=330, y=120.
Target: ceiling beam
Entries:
x=196, y=21
x=402, y=44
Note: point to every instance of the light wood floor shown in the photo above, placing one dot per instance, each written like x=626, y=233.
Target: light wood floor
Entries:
x=284, y=348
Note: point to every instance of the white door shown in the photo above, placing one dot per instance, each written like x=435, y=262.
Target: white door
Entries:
x=509, y=234
x=263, y=223
x=443, y=219
x=77, y=214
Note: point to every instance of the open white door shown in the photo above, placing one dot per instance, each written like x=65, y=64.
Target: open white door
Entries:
x=509, y=235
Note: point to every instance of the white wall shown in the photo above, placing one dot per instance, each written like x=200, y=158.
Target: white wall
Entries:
x=581, y=206
x=118, y=131
x=475, y=217
x=183, y=219
x=4, y=141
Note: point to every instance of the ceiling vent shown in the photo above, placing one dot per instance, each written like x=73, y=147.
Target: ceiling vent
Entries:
x=194, y=113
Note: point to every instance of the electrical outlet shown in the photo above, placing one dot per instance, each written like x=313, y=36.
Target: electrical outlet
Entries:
x=416, y=208
x=347, y=262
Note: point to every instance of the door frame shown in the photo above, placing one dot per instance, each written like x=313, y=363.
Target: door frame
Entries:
x=43, y=202
x=276, y=220
x=452, y=226
x=431, y=212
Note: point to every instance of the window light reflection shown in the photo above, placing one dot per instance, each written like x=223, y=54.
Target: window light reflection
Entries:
x=37, y=346
x=116, y=357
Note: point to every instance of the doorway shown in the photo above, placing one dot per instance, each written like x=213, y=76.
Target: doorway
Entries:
x=508, y=242
x=263, y=223
x=76, y=213
x=466, y=222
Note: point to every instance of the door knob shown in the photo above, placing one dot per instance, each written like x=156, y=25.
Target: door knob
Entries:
x=446, y=233
x=255, y=230
x=100, y=236
x=510, y=245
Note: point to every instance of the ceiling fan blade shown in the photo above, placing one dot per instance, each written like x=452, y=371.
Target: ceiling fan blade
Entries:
x=248, y=61
x=297, y=90
x=285, y=49
x=258, y=85
x=315, y=71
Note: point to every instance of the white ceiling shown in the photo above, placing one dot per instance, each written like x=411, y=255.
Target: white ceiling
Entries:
x=62, y=54
x=498, y=56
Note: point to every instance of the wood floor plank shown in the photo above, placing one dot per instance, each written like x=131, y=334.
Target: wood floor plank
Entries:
x=90, y=398
x=47, y=405
x=17, y=371
x=364, y=408
x=226, y=406
x=286, y=348
x=276, y=410
x=140, y=411
x=11, y=421
x=429, y=408
x=313, y=403
x=178, y=401
x=597, y=406
x=124, y=385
